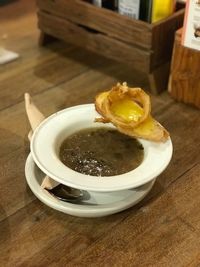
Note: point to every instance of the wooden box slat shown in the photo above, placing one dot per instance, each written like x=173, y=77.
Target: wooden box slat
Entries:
x=103, y=20
x=163, y=34
x=146, y=47
x=100, y=43
x=184, y=82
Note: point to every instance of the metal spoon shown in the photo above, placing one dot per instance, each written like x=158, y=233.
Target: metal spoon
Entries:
x=69, y=194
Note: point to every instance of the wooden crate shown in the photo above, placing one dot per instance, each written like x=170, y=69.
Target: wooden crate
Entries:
x=184, y=82
x=145, y=47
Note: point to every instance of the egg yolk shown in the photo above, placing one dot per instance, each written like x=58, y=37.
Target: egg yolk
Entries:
x=127, y=109
x=145, y=127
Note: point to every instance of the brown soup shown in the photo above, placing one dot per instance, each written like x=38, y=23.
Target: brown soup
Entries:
x=101, y=152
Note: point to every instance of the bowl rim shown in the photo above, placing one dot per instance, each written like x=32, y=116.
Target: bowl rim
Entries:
x=157, y=155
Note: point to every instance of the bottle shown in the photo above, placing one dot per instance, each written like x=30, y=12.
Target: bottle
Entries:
x=162, y=9
x=145, y=10
x=129, y=8
x=110, y=4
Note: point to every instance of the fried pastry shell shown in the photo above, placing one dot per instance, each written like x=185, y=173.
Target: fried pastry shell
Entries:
x=129, y=110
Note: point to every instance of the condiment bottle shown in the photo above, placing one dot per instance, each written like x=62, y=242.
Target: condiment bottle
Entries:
x=110, y=4
x=162, y=9
x=145, y=10
x=129, y=8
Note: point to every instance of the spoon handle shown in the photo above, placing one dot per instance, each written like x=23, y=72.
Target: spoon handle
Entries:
x=47, y=182
x=53, y=188
x=35, y=117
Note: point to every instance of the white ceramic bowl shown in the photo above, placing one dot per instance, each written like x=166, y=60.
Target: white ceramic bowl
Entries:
x=49, y=135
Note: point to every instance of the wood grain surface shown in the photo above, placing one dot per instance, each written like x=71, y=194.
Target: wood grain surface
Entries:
x=131, y=31
x=99, y=43
x=145, y=47
x=162, y=230
x=163, y=37
x=184, y=82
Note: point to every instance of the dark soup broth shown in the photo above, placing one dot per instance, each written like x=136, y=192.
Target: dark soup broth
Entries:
x=101, y=152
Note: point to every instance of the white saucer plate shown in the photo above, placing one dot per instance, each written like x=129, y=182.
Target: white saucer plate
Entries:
x=99, y=204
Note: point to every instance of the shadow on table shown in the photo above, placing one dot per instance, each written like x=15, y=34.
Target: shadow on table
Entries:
x=89, y=60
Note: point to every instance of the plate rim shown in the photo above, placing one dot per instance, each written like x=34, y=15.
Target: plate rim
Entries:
x=76, y=209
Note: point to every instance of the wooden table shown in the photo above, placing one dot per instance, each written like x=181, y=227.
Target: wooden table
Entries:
x=163, y=230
